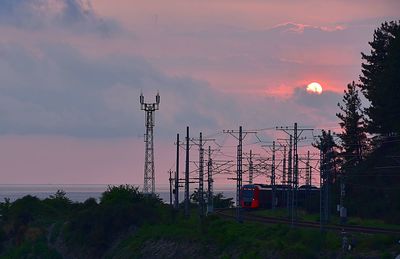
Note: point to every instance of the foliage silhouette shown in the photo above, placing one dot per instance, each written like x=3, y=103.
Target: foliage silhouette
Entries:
x=353, y=138
x=380, y=80
x=219, y=201
x=372, y=188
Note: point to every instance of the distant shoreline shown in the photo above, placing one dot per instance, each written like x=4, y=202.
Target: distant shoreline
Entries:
x=81, y=192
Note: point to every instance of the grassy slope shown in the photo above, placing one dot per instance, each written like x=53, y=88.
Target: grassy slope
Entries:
x=225, y=239
x=354, y=221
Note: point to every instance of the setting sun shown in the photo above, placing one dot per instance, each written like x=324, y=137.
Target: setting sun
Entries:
x=314, y=88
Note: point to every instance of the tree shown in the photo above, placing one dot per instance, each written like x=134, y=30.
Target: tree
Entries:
x=329, y=149
x=121, y=193
x=194, y=197
x=353, y=137
x=220, y=201
x=59, y=195
x=380, y=80
x=5, y=209
x=328, y=166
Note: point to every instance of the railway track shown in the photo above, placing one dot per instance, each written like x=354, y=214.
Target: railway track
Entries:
x=309, y=224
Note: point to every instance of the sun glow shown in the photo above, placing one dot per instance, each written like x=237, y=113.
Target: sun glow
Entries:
x=314, y=87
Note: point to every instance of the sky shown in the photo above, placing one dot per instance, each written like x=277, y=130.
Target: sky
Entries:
x=71, y=72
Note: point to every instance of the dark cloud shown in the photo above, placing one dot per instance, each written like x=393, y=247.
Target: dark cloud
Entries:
x=76, y=15
x=316, y=101
x=57, y=90
x=63, y=92
x=323, y=104
x=54, y=89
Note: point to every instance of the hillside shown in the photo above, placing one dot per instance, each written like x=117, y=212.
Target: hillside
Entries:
x=127, y=224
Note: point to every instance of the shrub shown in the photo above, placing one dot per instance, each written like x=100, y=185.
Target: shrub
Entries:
x=121, y=193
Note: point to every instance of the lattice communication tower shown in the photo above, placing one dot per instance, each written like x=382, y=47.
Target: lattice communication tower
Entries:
x=149, y=177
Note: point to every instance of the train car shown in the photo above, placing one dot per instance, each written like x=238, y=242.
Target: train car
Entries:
x=250, y=196
x=308, y=198
x=254, y=196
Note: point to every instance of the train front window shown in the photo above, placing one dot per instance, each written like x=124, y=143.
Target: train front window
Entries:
x=248, y=193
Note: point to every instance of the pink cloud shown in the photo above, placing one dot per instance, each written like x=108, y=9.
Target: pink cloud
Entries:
x=299, y=28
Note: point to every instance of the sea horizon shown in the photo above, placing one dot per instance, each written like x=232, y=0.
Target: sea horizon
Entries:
x=81, y=192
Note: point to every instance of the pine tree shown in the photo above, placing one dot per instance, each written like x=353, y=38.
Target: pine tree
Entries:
x=328, y=165
x=330, y=160
x=353, y=137
x=380, y=80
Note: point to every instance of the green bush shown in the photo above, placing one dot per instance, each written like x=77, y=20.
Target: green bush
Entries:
x=96, y=226
x=121, y=193
x=37, y=249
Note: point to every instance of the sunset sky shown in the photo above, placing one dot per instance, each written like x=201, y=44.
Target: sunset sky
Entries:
x=71, y=72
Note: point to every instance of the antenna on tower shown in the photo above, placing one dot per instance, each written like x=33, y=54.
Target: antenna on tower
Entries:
x=149, y=177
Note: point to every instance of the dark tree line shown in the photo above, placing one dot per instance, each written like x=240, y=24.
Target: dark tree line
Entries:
x=370, y=170
x=380, y=84
x=34, y=228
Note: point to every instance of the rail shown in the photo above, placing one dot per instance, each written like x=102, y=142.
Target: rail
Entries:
x=309, y=224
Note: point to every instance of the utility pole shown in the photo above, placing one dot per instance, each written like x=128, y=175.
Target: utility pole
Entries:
x=309, y=173
x=238, y=167
x=239, y=175
x=295, y=179
x=284, y=166
x=201, y=177
x=187, y=198
x=321, y=186
x=149, y=177
x=273, y=177
x=251, y=168
x=308, y=179
x=284, y=183
x=200, y=192
x=296, y=169
x=287, y=172
x=210, y=201
x=170, y=187
x=176, y=201
x=328, y=173
x=290, y=177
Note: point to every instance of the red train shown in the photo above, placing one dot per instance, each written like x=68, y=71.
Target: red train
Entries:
x=255, y=196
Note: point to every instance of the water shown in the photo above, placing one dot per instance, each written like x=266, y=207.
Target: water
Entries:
x=81, y=192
